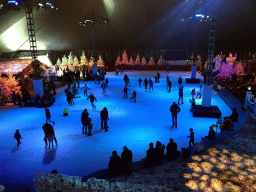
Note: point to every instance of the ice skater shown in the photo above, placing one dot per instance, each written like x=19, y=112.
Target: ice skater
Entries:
x=106, y=81
x=180, y=81
x=193, y=92
x=146, y=83
x=192, y=138
x=128, y=81
x=140, y=82
x=180, y=95
x=158, y=77
x=125, y=90
x=174, y=109
x=50, y=139
x=85, y=120
x=92, y=99
x=103, y=86
x=134, y=95
x=90, y=127
x=169, y=86
x=199, y=94
x=167, y=79
x=104, y=119
x=85, y=90
x=48, y=129
x=17, y=136
x=48, y=115
x=150, y=87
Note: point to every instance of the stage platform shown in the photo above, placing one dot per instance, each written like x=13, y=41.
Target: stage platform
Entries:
x=192, y=80
x=212, y=112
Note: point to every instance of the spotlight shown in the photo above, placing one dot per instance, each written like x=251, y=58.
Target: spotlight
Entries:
x=249, y=88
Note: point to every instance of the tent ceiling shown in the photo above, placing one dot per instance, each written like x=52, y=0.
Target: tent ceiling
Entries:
x=133, y=24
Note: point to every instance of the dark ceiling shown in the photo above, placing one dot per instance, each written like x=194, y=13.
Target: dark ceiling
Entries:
x=134, y=24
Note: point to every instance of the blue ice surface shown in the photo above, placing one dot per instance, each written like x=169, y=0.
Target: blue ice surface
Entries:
x=132, y=124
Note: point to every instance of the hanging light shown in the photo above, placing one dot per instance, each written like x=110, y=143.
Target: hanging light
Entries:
x=249, y=88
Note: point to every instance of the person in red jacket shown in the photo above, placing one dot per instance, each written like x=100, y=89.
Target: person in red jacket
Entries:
x=193, y=92
x=92, y=98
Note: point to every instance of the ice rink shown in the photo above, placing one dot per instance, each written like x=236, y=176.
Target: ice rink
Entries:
x=132, y=124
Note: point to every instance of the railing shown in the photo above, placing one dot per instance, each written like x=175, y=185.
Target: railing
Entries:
x=250, y=103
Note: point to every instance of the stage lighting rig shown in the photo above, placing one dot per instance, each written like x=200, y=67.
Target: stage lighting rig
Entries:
x=29, y=4
x=92, y=21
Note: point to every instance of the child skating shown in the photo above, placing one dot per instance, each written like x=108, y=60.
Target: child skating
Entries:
x=192, y=138
x=17, y=136
x=48, y=115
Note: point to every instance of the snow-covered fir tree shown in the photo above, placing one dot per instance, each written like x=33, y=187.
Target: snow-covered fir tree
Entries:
x=131, y=62
x=83, y=60
x=76, y=61
x=70, y=59
x=64, y=60
x=137, y=61
x=58, y=63
x=160, y=61
x=125, y=58
x=151, y=61
x=143, y=61
x=118, y=61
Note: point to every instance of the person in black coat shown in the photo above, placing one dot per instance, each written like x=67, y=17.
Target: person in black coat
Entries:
x=125, y=90
x=126, y=159
x=140, y=80
x=146, y=83
x=151, y=156
x=84, y=120
x=180, y=81
x=211, y=134
x=48, y=115
x=234, y=115
x=70, y=96
x=159, y=152
x=158, y=77
x=92, y=98
x=48, y=128
x=104, y=119
x=174, y=109
x=114, y=165
x=17, y=136
x=169, y=86
x=172, y=151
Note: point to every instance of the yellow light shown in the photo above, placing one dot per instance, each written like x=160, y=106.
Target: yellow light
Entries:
x=249, y=88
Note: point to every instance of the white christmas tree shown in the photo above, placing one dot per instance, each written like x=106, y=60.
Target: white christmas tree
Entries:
x=100, y=62
x=143, y=61
x=137, y=61
x=160, y=61
x=76, y=61
x=118, y=61
x=58, y=62
x=125, y=58
x=151, y=61
x=84, y=60
x=91, y=62
x=64, y=60
x=131, y=62
x=70, y=59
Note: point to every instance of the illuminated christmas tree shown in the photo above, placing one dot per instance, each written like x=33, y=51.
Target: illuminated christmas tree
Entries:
x=131, y=62
x=226, y=70
x=230, y=59
x=143, y=61
x=100, y=62
x=118, y=61
x=151, y=61
x=217, y=60
x=84, y=60
x=70, y=59
x=160, y=61
x=64, y=60
x=137, y=61
x=8, y=85
x=125, y=58
x=58, y=62
x=76, y=61
x=91, y=62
